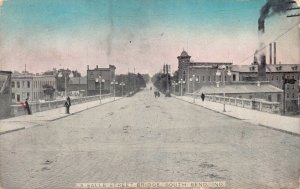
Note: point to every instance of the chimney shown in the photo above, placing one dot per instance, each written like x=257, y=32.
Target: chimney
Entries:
x=270, y=53
x=274, y=52
x=97, y=67
x=88, y=67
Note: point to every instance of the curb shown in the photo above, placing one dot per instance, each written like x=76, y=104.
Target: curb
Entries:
x=67, y=115
x=258, y=124
x=9, y=131
x=63, y=116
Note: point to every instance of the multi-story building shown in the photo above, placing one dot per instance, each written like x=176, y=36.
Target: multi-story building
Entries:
x=275, y=73
x=93, y=84
x=204, y=72
x=31, y=86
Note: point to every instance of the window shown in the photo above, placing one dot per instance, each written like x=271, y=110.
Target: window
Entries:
x=203, y=78
x=293, y=95
x=233, y=77
x=287, y=95
x=12, y=84
x=278, y=98
x=18, y=84
x=250, y=96
x=28, y=95
x=214, y=78
x=23, y=84
x=28, y=84
x=293, y=87
x=277, y=78
x=208, y=78
x=270, y=98
x=272, y=78
x=13, y=96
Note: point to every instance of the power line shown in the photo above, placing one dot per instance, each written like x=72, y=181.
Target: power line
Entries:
x=278, y=37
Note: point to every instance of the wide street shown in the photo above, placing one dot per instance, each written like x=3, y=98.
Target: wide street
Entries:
x=147, y=139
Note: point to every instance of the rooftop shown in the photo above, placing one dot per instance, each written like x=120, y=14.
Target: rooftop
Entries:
x=269, y=68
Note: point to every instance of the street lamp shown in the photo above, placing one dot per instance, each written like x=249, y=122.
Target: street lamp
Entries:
x=181, y=82
x=100, y=80
x=114, y=82
x=122, y=85
x=65, y=73
x=222, y=73
x=194, y=79
x=174, y=85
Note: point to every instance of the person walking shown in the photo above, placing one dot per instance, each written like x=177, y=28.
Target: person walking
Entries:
x=202, y=97
x=27, y=107
x=67, y=105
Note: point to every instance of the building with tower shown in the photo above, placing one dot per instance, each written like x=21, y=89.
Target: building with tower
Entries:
x=204, y=72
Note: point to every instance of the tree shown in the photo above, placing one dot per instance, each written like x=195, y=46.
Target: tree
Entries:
x=60, y=81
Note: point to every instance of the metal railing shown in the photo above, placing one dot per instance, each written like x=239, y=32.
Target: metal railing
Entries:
x=255, y=104
x=17, y=110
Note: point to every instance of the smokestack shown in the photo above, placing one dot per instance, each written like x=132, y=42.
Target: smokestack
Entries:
x=88, y=67
x=270, y=53
x=274, y=52
x=262, y=68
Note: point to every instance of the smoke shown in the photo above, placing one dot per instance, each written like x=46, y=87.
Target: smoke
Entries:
x=270, y=8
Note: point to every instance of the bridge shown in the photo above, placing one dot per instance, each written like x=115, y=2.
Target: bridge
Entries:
x=143, y=138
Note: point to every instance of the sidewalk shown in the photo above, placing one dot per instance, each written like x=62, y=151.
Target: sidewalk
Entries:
x=274, y=121
x=27, y=121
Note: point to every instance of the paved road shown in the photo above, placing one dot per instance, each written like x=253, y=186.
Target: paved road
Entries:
x=143, y=138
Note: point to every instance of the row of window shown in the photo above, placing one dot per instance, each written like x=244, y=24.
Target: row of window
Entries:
x=292, y=95
x=210, y=78
x=27, y=84
x=17, y=97
x=279, y=78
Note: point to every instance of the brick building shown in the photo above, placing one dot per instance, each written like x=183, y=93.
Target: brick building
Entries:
x=205, y=72
x=274, y=74
x=93, y=85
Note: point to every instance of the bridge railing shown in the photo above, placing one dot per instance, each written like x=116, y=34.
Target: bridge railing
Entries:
x=17, y=110
x=255, y=104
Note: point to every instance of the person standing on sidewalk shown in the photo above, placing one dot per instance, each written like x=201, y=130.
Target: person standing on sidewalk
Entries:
x=27, y=107
x=202, y=97
x=67, y=105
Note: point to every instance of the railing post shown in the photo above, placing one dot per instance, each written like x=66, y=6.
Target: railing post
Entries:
x=260, y=106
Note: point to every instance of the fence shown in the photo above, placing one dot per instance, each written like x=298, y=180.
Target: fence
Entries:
x=256, y=104
x=17, y=110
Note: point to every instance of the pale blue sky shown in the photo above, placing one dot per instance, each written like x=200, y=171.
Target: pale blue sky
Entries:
x=131, y=33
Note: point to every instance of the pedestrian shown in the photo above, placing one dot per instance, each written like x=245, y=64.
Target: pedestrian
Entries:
x=202, y=97
x=27, y=107
x=67, y=105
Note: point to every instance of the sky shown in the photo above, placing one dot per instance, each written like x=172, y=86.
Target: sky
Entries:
x=139, y=35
